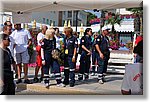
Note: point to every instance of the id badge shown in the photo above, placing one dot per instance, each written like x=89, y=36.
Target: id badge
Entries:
x=66, y=51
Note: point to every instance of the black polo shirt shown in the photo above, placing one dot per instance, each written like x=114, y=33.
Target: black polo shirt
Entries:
x=103, y=43
x=87, y=42
x=7, y=60
x=70, y=44
x=48, y=45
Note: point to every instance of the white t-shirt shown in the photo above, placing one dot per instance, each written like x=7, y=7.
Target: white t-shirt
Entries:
x=1, y=32
x=58, y=39
x=21, y=39
x=133, y=79
x=39, y=37
x=12, y=42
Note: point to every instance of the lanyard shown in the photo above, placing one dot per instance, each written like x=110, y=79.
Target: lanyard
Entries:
x=67, y=43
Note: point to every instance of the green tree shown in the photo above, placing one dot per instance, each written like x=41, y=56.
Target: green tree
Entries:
x=138, y=21
x=90, y=17
x=114, y=19
x=136, y=10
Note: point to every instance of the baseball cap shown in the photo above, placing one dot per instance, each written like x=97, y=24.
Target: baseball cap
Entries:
x=105, y=28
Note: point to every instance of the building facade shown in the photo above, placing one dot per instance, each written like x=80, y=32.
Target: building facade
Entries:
x=58, y=17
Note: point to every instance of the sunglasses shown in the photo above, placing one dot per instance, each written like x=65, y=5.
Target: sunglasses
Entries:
x=9, y=25
x=7, y=39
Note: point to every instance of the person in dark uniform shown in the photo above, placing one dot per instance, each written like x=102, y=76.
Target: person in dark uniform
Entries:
x=94, y=55
x=86, y=48
x=49, y=44
x=7, y=70
x=102, y=48
x=70, y=49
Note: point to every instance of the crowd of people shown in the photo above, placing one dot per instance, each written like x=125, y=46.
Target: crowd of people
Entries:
x=14, y=46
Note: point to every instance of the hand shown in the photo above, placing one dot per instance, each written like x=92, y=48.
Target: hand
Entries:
x=14, y=46
x=28, y=46
x=89, y=53
x=1, y=83
x=101, y=56
x=73, y=59
x=135, y=55
x=63, y=46
x=43, y=62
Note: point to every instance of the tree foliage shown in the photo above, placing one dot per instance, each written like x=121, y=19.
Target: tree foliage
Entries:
x=90, y=17
x=112, y=20
x=136, y=10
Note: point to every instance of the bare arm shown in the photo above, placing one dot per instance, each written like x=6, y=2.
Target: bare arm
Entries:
x=83, y=47
x=29, y=42
x=75, y=52
x=99, y=51
x=74, y=55
x=42, y=56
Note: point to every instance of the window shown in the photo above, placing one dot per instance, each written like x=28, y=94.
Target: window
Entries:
x=50, y=21
x=63, y=22
x=54, y=23
x=64, y=13
x=69, y=13
x=47, y=21
x=43, y=20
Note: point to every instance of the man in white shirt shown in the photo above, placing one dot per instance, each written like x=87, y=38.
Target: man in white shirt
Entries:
x=22, y=40
x=40, y=36
x=58, y=38
x=133, y=80
x=7, y=29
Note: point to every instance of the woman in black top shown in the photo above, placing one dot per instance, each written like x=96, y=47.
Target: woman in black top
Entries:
x=48, y=45
x=6, y=62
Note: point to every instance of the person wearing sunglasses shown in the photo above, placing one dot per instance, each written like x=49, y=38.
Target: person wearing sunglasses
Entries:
x=94, y=55
x=7, y=80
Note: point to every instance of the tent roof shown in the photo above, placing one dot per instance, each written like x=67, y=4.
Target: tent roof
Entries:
x=64, y=5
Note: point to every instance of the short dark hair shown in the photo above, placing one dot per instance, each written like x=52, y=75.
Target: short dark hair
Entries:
x=87, y=30
x=3, y=36
x=5, y=24
x=55, y=28
x=5, y=28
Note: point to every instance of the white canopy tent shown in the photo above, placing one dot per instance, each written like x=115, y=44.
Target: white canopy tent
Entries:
x=63, y=5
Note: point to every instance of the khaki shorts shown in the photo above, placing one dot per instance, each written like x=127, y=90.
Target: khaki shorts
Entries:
x=22, y=57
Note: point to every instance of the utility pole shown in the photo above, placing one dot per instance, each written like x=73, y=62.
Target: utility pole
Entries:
x=76, y=20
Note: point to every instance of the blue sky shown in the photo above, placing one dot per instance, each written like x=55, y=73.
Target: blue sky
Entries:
x=98, y=14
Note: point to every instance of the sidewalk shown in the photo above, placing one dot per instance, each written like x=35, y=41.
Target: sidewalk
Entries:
x=86, y=87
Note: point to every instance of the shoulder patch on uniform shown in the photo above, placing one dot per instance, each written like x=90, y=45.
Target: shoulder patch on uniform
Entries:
x=98, y=39
x=76, y=42
x=82, y=40
x=42, y=43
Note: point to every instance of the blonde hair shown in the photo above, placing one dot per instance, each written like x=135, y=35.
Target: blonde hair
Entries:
x=49, y=33
x=68, y=29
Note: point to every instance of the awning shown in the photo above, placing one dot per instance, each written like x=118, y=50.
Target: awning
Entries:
x=64, y=5
x=122, y=28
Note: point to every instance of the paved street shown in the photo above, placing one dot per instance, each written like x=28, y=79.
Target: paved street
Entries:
x=90, y=86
